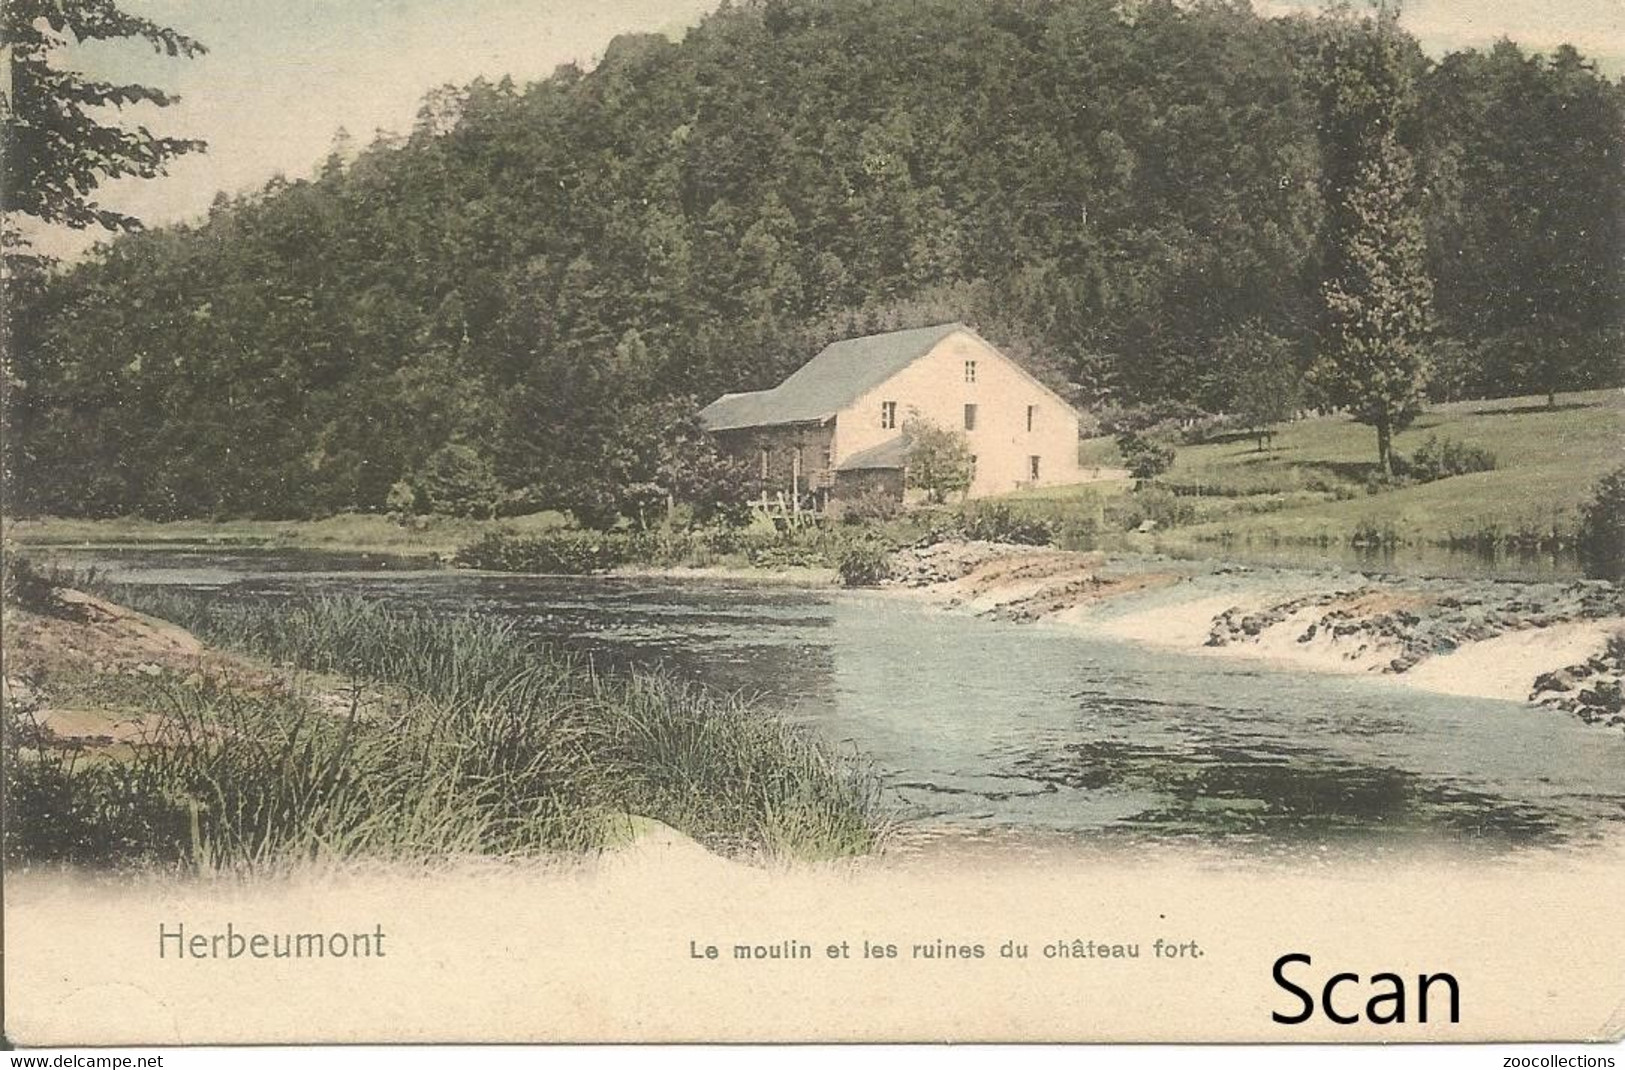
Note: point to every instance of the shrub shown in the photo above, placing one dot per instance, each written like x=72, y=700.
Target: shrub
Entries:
x=1440, y=458
x=1078, y=533
x=401, y=502
x=23, y=584
x=1161, y=507
x=873, y=506
x=1368, y=535
x=567, y=551
x=805, y=546
x=997, y=522
x=456, y=480
x=1377, y=482
x=721, y=541
x=864, y=563
x=1146, y=458
x=1602, y=528
x=939, y=459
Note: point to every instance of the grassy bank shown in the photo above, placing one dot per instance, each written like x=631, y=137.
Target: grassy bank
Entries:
x=1313, y=486
x=421, y=737
x=853, y=550
x=809, y=550
x=351, y=532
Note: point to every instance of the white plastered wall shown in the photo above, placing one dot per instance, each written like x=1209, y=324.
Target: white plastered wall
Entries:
x=935, y=387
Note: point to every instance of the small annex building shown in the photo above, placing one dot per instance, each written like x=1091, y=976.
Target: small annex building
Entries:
x=834, y=428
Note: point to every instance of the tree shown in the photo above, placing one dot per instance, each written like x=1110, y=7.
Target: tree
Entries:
x=56, y=151
x=1377, y=294
x=455, y=481
x=1262, y=381
x=1145, y=458
x=55, y=154
x=1602, y=528
x=1528, y=229
x=938, y=459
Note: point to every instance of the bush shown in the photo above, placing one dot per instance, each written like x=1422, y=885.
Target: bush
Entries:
x=721, y=541
x=1368, y=535
x=870, y=507
x=1441, y=458
x=1079, y=533
x=1602, y=528
x=939, y=459
x=568, y=551
x=1146, y=458
x=579, y=551
x=999, y=523
x=1377, y=482
x=401, y=502
x=23, y=584
x=456, y=480
x=864, y=564
x=1161, y=507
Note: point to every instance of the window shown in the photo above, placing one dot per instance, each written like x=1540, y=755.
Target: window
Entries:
x=1032, y=414
x=888, y=414
x=970, y=371
x=1032, y=468
x=829, y=456
x=970, y=417
x=973, y=468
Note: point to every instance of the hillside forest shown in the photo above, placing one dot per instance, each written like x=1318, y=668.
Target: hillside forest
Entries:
x=520, y=303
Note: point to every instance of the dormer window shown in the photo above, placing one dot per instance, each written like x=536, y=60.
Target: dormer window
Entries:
x=888, y=415
x=970, y=371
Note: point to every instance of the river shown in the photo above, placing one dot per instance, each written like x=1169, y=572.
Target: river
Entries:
x=978, y=726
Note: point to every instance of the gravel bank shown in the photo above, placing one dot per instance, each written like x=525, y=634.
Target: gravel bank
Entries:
x=1557, y=644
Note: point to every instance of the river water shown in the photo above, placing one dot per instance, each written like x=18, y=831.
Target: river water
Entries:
x=983, y=726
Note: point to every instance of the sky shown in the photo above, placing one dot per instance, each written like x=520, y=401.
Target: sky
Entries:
x=282, y=76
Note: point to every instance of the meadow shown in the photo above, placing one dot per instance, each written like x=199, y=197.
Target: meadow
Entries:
x=1312, y=485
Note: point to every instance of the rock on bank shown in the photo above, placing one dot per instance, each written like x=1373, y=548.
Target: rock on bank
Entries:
x=1556, y=644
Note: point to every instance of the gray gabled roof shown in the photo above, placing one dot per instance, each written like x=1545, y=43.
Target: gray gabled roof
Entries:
x=892, y=453
x=836, y=377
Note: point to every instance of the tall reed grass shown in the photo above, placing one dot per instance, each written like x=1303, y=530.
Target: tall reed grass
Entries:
x=451, y=736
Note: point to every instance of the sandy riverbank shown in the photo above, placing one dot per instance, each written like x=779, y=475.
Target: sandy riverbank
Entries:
x=1556, y=644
